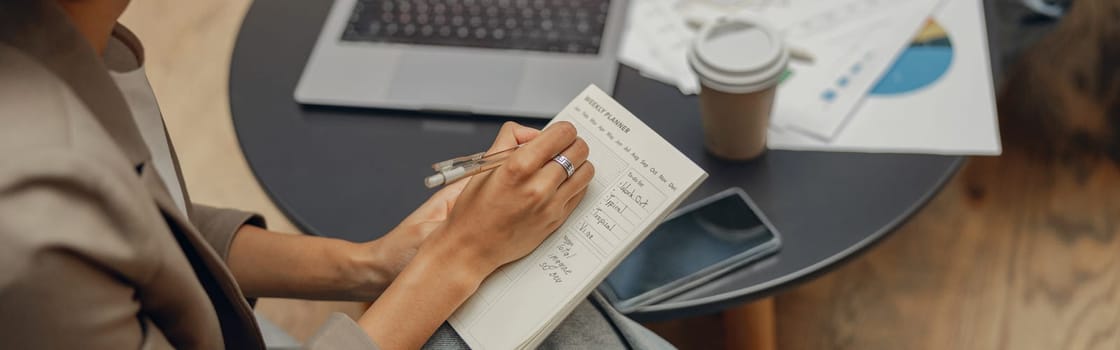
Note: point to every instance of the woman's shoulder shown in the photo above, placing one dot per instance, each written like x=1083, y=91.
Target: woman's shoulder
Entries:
x=37, y=107
x=40, y=113
x=61, y=174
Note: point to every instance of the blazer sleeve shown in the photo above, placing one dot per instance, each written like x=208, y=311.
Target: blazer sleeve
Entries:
x=340, y=333
x=219, y=225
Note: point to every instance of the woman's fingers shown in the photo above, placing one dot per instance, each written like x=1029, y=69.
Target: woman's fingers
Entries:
x=523, y=133
x=528, y=160
x=505, y=139
x=509, y=136
x=553, y=174
x=572, y=203
x=575, y=186
x=512, y=134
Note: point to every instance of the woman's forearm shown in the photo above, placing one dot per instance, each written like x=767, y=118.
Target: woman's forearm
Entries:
x=271, y=264
x=409, y=306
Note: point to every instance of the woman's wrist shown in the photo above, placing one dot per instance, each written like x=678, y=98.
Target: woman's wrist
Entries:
x=374, y=265
x=455, y=272
x=467, y=258
x=436, y=282
x=364, y=270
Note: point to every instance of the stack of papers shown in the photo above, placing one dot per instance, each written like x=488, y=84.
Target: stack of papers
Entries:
x=887, y=75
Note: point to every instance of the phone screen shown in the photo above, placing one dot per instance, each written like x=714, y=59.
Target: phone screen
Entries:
x=697, y=242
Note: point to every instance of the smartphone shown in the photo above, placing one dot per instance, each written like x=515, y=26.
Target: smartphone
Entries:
x=694, y=245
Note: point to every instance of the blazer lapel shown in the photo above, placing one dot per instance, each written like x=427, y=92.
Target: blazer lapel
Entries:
x=236, y=317
x=179, y=173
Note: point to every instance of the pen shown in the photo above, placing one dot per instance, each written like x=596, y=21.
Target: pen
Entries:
x=457, y=168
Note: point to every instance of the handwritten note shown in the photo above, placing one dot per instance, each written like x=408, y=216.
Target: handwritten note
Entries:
x=555, y=265
x=639, y=178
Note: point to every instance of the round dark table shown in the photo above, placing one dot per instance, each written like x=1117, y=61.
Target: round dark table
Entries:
x=354, y=173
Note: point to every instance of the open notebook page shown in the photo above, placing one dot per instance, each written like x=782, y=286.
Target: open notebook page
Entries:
x=639, y=179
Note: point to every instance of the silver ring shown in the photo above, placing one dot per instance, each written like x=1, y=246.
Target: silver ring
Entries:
x=567, y=164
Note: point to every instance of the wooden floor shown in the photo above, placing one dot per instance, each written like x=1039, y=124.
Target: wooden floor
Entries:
x=1018, y=252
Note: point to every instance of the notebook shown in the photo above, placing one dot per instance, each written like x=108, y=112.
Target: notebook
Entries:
x=639, y=179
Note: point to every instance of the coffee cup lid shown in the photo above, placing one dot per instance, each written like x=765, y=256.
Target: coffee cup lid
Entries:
x=738, y=54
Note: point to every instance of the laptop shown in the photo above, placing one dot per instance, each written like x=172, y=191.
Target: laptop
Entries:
x=522, y=58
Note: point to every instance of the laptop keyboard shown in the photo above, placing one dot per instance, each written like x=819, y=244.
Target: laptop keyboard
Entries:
x=568, y=26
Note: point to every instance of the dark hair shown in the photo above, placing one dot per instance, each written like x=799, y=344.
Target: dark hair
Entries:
x=18, y=17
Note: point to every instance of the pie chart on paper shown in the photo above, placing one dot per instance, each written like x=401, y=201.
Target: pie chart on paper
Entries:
x=921, y=64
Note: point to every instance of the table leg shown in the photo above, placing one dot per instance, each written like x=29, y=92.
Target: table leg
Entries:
x=751, y=326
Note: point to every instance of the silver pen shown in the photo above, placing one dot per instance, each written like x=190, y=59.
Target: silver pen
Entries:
x=458, y=168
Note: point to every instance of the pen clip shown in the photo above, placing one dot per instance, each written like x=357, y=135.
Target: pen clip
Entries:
x=447, y=164
x=453, y=169
x=471, y=158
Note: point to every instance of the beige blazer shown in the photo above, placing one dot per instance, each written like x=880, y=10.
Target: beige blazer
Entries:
x=94, y=254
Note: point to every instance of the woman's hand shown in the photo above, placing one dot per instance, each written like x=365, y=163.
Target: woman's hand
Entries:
x=437, y=208
x=389, y=254
x=505, y=214
x=498, y=217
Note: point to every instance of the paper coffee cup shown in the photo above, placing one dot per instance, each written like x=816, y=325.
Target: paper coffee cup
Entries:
x=739, y=61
